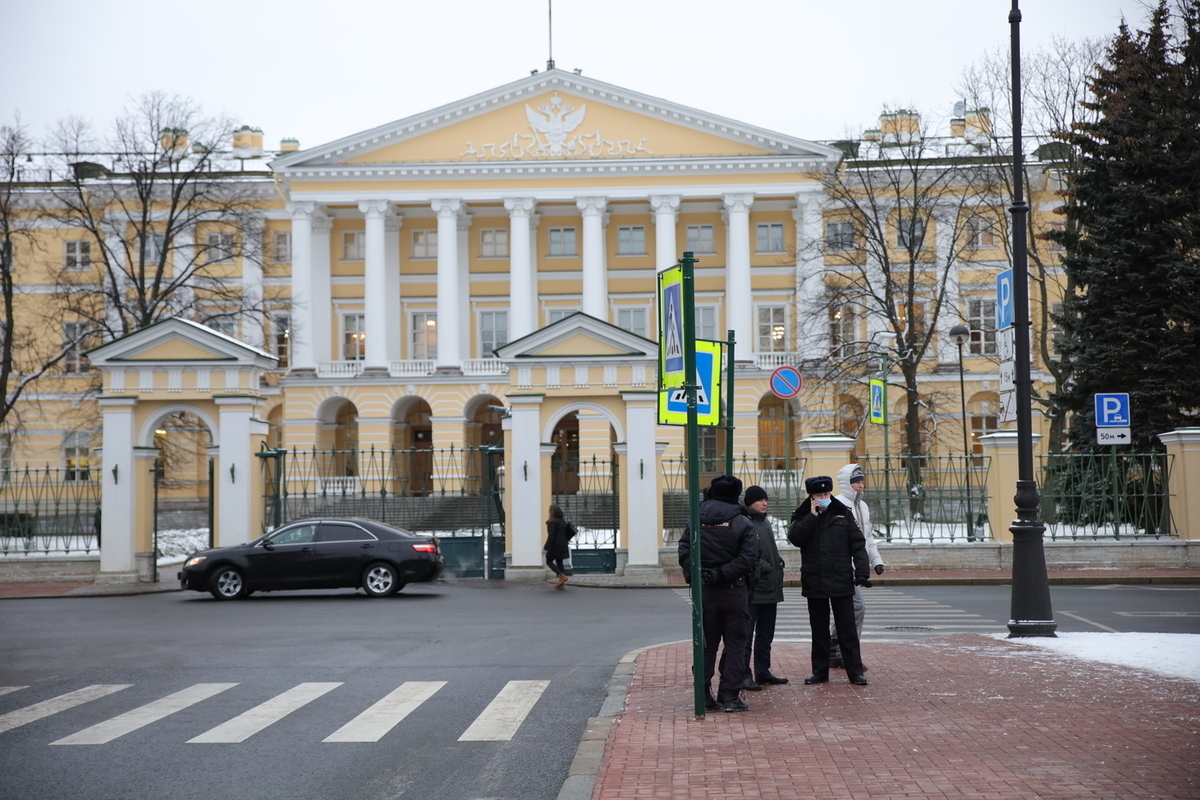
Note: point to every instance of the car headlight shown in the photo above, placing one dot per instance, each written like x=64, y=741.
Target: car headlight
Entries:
x=191, y=562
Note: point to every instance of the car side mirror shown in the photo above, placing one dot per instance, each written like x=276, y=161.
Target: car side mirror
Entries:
x=267, y=545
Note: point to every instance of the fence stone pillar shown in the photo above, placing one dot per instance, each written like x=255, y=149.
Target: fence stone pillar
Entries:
x=1183, y=448
x=526, y=491
x=825, y=454
x=1001, y=450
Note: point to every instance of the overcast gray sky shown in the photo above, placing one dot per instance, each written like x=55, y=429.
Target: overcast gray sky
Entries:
x=322, y=70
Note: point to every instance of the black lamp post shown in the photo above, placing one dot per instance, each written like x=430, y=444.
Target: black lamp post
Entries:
x=1031, y=614
x=960, y=335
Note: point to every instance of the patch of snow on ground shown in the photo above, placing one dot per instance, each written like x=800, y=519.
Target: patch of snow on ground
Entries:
x=175, y=544
x=1174, y=654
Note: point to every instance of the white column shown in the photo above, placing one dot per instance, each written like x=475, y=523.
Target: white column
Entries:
x=666, y=210
x=375, y=286
x=737, y=271
x=464, y=280
x=117, y=489
x=641, y=490
x=535, y=219
x=302, y=356
x=812, y=325
x=391, y=286
x=595, y=284
x=237, y=424
x=945, y=258
x=252, y=277
x=521, y=308
x=321, y=291
x=449, y=358
x=523, y=481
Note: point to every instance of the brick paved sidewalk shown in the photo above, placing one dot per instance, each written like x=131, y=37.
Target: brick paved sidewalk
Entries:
x=963, y=716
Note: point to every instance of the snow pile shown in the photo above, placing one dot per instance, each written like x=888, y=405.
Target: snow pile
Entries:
x=1174, y=654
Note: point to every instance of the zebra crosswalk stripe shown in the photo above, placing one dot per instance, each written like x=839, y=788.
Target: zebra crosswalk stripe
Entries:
x=105, y=732
x=248, y=723
x=374, y=723
x=7, y=689
x=23, y=716
x=503, y=716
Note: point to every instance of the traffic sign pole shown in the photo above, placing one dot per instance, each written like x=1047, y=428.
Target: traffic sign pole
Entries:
x=693, y=457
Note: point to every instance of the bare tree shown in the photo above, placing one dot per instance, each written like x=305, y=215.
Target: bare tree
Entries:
x=166, y=214
x=26, y=353
x=1054, y=94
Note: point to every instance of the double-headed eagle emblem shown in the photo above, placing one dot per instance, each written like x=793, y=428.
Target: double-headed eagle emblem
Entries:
x=555, y=122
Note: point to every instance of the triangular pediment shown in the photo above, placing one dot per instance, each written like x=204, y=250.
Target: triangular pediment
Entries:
x=578, y=337
x=176, y=341
x=555, y=116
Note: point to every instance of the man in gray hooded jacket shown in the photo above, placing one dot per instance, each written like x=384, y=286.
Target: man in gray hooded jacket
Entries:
x=851, y=482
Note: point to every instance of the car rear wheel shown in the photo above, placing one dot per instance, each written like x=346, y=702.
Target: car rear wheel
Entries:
x=380, y=580
x=227, y=584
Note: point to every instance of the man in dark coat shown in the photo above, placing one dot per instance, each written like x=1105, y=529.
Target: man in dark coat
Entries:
x=766, y=595
x=833, y=560
x=728, y=557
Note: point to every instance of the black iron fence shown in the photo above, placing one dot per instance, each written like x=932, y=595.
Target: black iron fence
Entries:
x=1111, y=495
x=49, y=511
x=928, y=498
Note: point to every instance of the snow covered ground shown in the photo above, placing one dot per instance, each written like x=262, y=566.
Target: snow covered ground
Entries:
x=1174, y=654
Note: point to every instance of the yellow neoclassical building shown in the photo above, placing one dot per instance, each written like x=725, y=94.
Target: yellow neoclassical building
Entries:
x=455, y=320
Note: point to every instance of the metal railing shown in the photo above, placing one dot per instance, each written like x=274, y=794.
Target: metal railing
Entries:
x=928, y=498
x=49, y=511
x=1106, y=496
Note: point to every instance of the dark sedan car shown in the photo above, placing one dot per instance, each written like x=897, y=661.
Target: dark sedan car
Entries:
x=317, y=554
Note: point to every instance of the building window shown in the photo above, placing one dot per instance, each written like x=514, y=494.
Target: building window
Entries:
x=222, y=323
x=770, y=238
x=984, y=420
x=74, y=361
x=281, y=338
x=156, y=244
x=843, y=331
x=910, y=230
x=424, y=244
x=911, y=321
x=700, y=239
x=632, y=320
x=354, y=337
x=493, y=331
x=493, y=243
x=839, y=236
x=354, y=245
x=283, y=247
x=1056, y=228
x=631, y=240
x=706, y=322
x=711, y=451
x=981, y=319
x=77, y=254
x=553, y=315
x=5, y=457
x=76, y=449
x=424, y=335
x=981, y=233
x=218, y=247
x=562, y=242
x=772, y=329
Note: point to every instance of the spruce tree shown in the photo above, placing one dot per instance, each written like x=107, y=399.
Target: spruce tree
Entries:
x=1134, y=324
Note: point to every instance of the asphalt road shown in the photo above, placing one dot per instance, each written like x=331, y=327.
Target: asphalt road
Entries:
x=262, y=684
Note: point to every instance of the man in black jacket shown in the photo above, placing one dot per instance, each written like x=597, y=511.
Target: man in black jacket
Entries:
x=728, y=556
x=833, y=560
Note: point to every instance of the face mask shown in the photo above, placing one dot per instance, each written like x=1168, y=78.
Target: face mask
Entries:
x=824, y=502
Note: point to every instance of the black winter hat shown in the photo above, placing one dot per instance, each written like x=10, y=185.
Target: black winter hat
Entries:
x=754, y=494
x=726, y=488
x=821, y=483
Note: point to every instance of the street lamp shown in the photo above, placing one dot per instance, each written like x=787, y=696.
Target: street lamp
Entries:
x=888, y=337
x=960, y=335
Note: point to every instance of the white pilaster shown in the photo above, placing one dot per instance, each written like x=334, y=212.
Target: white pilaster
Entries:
x=641, y=490
x=666, y=212
x=812, y=324
x=595, y=283
x=535, y=219
x=375, y=286
x=737, y=271
x=392, y=323
x=464, y=280
x=322, y=288
x=945, y=259
x=521, y=303
x=301, y=335
x=449, y=347
x=237, y=423
x=252, y=323
x=523, y=481
x=117, y=491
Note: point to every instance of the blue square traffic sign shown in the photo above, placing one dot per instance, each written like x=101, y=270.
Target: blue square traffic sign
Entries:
x=1112, y=410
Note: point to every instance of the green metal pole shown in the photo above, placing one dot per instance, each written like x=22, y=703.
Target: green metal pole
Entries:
x=729, y=406
x=887, y=459
x=1115, y=491
x=693, y=456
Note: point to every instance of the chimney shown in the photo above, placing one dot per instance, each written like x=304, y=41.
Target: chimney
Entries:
x=289, y=145
x=872, y=135
x=247, y=142
x=901, y=127
x=174, y=142
x=978, y=124
x=958, y=127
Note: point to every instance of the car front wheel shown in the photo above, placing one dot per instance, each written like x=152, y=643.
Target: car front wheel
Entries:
x=227, y=584
x=380, y=580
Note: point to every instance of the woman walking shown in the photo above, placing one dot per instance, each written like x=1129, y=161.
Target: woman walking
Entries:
x=559, y=533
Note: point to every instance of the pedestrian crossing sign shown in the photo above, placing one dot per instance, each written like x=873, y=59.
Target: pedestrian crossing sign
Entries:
x=670, y=329
x=878, y=401
x=672, y=402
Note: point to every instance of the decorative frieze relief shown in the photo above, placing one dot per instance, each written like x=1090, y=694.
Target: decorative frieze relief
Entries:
x=551, y=128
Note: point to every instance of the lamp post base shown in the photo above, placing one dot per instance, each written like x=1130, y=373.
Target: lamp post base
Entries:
x=1031, y=612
